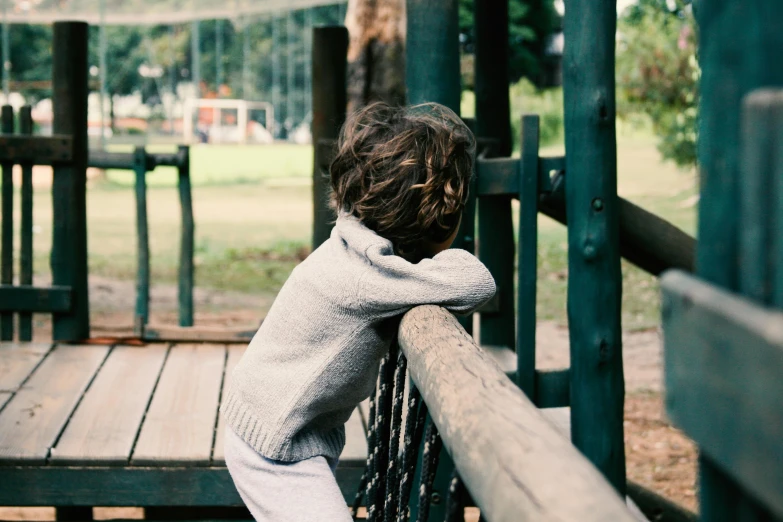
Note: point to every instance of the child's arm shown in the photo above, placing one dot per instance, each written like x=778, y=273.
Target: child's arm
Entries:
x=453, y=279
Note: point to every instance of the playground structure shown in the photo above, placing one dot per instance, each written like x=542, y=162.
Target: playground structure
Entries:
x=108, y=425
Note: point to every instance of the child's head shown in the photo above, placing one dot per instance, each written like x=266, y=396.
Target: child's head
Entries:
x=404, y=172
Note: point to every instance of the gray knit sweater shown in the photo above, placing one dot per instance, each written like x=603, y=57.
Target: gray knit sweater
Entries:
x=316, y=354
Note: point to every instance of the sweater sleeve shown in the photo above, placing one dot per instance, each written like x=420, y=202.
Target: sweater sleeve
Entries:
x=454, y=279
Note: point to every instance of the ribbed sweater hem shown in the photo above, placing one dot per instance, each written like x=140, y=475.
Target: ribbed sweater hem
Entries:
x=271, y=441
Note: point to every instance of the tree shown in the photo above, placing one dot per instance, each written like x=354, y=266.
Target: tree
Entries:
x=658, y=74
x=376, y=52
x=530, y=23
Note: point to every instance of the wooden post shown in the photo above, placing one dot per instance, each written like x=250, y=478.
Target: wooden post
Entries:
x=594, y=279
x=330, y=51
x=528, y=257
x=69, y=240
x=7, y=257
x=493, y=120
x=187, y=240
x=26, y=226
x=432, y=74
x=142, y=236
x=725, y=80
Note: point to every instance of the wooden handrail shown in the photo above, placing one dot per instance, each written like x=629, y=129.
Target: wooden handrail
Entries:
x=514, y=462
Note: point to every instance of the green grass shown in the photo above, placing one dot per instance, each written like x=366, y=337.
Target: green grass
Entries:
x=253, y=221
x=228, y=164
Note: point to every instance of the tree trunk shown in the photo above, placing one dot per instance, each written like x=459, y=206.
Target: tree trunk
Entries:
x=376, y=52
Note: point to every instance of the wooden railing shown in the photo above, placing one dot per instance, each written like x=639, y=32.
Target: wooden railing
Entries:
x=141, y=163
x=66, y=151
x=514, y=462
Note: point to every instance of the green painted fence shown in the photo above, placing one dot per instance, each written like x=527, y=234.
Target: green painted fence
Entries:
x=66, y=151
x=143, y=163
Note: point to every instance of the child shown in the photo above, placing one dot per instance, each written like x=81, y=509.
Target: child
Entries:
x=400, y=182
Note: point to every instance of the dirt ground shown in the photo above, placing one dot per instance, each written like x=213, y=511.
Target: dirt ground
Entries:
x=658, y=455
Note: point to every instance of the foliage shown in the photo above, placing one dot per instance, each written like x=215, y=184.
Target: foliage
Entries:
x=658, y=73
x=530, y=23
x=548, y=104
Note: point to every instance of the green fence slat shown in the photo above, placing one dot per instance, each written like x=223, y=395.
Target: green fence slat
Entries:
x=595, y=285
x=142, y=237
x=187, y=240
x=527, y=264
x=7, y=257
x=26, y=226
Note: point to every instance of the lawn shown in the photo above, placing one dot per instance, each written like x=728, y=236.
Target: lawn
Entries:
x=253, y=220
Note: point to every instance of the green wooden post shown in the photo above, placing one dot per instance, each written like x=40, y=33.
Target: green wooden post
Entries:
x=186, y=269
x=733, y=63
x=528, y=257
x=432, y=72
x=329, y=55
x=496, y=231
x=142, y=238
x=26, y=226
x=7, y=261
x=595, y=285
x=69, y=187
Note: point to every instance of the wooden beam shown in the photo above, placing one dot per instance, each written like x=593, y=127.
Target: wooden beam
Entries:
x=514, y=462
x=55, y=299
x=39, y=150
x=136, y=486
x=649, y=242
x=195, y=334
x=723, y=362
x=100, y=159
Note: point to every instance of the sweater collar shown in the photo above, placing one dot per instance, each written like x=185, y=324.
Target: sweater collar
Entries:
x=355, y=234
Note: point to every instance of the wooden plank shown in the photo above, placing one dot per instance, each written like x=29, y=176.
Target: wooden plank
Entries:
x=514, y=462
x=355, y=440
x=51, y=299
x=497, y=176
x=35, y=416
x=197, y=334
x=180, y=423
x=105, y=486
x=723, y=361
x=105, y=425
x=38, y=150
x=594, y=277
x=17, y=361
x=234, y=355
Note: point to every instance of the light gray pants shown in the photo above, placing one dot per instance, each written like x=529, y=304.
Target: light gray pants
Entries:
x=304, y=491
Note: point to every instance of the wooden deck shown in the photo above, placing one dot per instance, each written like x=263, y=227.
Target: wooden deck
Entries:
x=124, y=426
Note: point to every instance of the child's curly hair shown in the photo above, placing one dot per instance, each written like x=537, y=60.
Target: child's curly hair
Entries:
x=404, y=172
